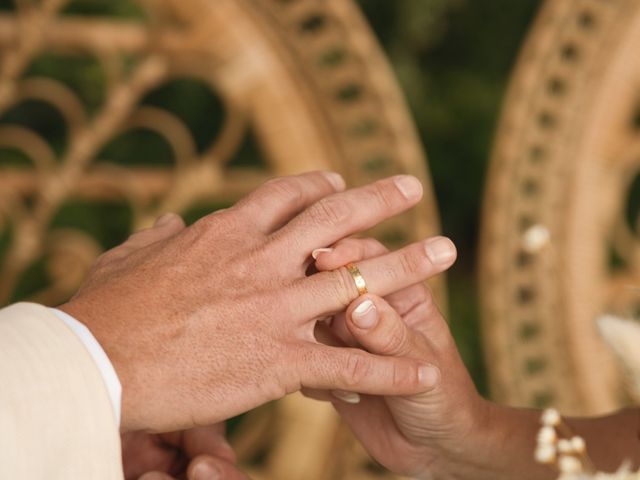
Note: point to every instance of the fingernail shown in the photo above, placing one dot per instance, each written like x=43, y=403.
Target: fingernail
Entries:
x=347, y=397
x=205, y=470
x=365, y=315
x=440, y=250
x=164, y=219
x=410, y=186
x=428, y=376
x=318, y=251
x=336, y=180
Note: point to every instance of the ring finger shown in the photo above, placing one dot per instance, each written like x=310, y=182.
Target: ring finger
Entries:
x=352, y=250
x=332, y=291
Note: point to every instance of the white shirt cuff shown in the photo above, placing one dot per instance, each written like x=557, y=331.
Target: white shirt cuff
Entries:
x=109, y=375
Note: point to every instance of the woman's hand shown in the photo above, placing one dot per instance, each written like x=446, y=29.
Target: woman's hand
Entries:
x=447, y=432
x=423, y=434
x=205, y=322
x=410, y=435
x=197, y=454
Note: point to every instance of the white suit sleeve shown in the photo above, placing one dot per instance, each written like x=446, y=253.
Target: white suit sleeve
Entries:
x=109, y=375
x=56, y=415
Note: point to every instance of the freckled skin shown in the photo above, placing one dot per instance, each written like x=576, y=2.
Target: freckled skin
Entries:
x=205, y=322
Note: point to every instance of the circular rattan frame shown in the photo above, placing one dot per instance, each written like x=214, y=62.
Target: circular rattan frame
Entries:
x=566, y=151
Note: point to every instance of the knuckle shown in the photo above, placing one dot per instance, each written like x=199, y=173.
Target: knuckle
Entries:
x=351, y=249
x=404, y=376
x=411, y=263
x=330, y=211
x=286, y=190
x=367, y=248
x=396, y=376
x=356, y=370
x=137, y=236
x=374, y=245
x=217, y=222
x=346, y=289
x=425, y=297
x=395, y=341
x=267, y=187
x=386, y=195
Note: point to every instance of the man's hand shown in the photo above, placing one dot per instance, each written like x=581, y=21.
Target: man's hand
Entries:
x=197, y=454
x=424, y=433
x=205, y=322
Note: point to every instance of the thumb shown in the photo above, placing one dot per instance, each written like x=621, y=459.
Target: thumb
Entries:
x=206, y=467
x=377, y=327
x=381, y=330
x=156, y=476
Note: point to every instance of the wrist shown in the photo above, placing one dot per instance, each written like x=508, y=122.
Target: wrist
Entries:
x=504, y=444
x=499, y=445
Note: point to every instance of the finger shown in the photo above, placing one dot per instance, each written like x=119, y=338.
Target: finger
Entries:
x=353, y=370
x=336, y=334
x=380, y=330
x=343, y=252
x=343, y=214
x=206, y=467
x=331, y=396
x=142, y=452
x=348, y=250
x=353, y=250
x=426, y=318
x=367, y=420
x=169, y=220
x=327, y=292
x=420, y=316
x=278, y=200
x=156, y=476
x=208, y=440
x=316, y=394
x=406, y=299
x=164, y=227
x=413, y=304
x=325, y=334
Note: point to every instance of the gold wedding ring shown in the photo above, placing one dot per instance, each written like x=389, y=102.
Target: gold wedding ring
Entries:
x=358, y=279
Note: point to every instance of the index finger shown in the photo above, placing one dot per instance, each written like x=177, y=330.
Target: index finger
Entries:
x=274, y=203
x=342, y=214
x=206, y=466
x=208, y=440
